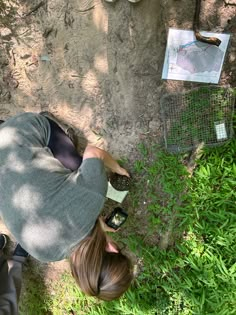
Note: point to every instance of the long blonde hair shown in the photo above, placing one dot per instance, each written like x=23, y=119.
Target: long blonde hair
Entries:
x=100, y=273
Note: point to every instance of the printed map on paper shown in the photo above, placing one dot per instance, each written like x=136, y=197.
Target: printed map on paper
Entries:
x=190, y=60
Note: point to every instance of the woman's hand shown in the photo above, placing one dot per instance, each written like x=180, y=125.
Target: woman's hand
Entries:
x=108, y=160
x=121, y=171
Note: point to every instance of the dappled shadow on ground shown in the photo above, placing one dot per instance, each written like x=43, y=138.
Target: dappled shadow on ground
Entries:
x=98, y=66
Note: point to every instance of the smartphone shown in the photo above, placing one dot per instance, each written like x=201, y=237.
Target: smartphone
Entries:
x=116, y=218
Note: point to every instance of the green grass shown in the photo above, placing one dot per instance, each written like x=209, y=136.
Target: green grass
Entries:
x=198, y=269
x=194, y=271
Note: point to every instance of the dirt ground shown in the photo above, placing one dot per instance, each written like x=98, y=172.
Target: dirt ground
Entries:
x=98, y=66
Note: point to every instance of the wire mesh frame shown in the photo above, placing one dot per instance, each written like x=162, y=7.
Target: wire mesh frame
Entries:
x=202, y=115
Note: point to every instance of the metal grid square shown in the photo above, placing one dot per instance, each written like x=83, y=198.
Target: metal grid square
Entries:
x=202, y=115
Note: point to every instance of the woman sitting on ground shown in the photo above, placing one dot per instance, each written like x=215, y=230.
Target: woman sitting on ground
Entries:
x=51, y=199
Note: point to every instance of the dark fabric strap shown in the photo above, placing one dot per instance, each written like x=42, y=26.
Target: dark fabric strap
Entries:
x=63, y=148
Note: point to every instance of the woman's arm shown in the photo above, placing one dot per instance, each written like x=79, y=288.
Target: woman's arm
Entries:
x=109, y=162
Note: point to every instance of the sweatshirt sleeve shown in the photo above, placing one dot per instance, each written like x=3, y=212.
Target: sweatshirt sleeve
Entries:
x=93, y=174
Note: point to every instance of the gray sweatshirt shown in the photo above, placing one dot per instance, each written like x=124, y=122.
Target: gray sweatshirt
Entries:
x=48, y=208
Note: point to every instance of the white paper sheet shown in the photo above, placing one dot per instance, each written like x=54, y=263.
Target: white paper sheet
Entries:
x=190, y=60
x=116, y=195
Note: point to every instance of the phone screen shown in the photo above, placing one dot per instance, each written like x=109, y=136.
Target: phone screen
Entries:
x=118, y=219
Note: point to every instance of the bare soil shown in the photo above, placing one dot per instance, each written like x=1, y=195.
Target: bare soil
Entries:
x=97, y=66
